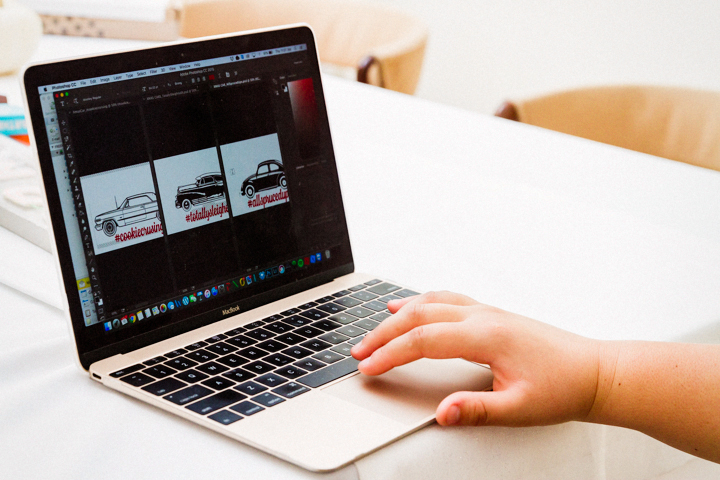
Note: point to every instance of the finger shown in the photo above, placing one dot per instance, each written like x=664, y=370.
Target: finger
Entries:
x=432, y=297
x=435, y=340
x=412, y=306
x=411, y=316
x=482, y=408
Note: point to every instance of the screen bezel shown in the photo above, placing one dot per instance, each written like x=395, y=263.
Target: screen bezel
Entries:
x=114, y=63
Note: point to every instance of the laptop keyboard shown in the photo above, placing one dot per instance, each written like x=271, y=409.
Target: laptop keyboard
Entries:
x=247, y=369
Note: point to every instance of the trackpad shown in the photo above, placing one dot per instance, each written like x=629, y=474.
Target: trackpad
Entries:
x=410, y=394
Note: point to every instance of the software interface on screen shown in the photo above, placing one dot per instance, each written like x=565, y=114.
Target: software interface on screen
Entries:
x=183, y=183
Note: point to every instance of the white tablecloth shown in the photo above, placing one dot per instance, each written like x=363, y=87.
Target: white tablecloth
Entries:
x=598, y=240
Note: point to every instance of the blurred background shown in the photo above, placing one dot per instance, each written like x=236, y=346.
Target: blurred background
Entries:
x=480, y=53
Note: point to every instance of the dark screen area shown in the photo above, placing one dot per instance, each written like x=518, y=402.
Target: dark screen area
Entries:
x=107, y=139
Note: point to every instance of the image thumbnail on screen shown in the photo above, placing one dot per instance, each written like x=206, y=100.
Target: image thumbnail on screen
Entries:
x=122, y=207
x=255, y=174
x=192, y=190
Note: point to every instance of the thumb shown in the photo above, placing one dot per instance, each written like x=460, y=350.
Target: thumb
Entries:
x=479, y=408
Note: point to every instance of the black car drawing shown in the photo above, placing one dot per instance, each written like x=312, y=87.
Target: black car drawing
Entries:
x=270, y=174
x=134, y=209
x=207, y=187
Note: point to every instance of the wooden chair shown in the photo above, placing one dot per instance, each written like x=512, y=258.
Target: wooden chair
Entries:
x=675, y=123
x=383, y=45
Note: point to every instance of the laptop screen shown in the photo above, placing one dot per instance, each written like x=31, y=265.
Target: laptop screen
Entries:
x=187, y=183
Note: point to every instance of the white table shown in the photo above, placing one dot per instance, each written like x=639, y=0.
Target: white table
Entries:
x=594, y=239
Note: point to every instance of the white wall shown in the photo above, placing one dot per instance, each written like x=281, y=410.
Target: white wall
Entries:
x=482, y=52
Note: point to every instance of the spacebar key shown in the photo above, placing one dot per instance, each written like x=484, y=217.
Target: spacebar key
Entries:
x=330, y=373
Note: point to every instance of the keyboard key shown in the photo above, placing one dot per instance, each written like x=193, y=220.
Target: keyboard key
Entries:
x=366, y=323
x=333, y=337
x=383, y=288
x=315, y=345
x=212, y=368
x=176, y=353
x=342, y=349
x=297, y=352
x=247, y=408
x=154, y=361
x=225, y=417
x=196, y=345
x=187, y=395
x=250, y=388
x=297, y=321
x=314, y=314
x=272, y=318
x=326, y=325
x=201, y=356
x=364, y=296
x=332, y=372
x=159, y=371
x=216, y=402
x=351, y=331
x=260, y=334
x=341, y=293
x=221, y=348
x=406, y=293
x=279, y=327
x=253, y=353
x=290, y=372
x=328, y=357
x=255, y=324
x=348, y=302
x=271, y=380
x=343, y=318
x=235, y=331
x=278, y=359
x=290, y=338
x=310, y=364
x=137, y=379
x=356, y=340
x=291, y=311
x=241, y=341
x=379, y=317
x=306, y=306
x=164, y=386
x=218, y=383
x=125, y=371
x=180, y=363
x=271, y=345
x=267, y=399
x=325, y=299
x=232, y=360
x=360, y=312
x=356, y=288
x=191, y=376
x=239, y=375
x=216, y=338
x=387, y=298
x=308, y=332
x=331, y=308
x=290, y=390
x=259, y=367
x=376, y=305
x=373, y=282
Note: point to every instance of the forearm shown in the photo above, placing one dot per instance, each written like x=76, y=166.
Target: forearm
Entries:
x=670, y=391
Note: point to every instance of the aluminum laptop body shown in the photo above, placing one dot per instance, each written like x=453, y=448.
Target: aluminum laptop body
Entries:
x=202, y=244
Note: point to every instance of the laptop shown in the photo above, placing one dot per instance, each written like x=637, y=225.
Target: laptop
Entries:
x=200, y=236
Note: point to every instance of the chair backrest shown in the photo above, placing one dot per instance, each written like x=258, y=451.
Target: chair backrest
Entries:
x=675, y=123
x=385, y=45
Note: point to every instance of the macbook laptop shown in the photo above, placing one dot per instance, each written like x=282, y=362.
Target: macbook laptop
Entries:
x=203, y=248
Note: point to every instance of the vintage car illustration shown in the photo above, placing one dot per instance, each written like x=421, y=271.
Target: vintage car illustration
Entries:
x=134, y=209
x=270, y=174
x=207, y=187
